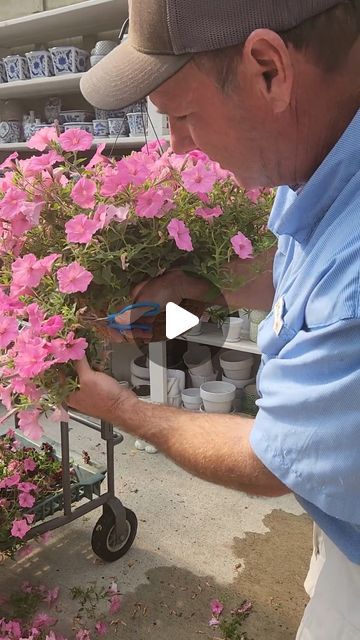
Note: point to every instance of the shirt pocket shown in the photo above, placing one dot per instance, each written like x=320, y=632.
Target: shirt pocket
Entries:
x=271, y=341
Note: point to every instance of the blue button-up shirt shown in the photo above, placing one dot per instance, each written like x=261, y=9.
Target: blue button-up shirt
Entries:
x=307, y=431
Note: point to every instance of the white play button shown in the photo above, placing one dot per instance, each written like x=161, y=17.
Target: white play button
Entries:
x=178, y=320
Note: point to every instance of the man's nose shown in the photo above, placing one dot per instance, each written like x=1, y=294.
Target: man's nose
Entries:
x=180, y=137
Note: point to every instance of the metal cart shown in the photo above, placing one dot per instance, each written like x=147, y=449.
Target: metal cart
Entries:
x=115, y=531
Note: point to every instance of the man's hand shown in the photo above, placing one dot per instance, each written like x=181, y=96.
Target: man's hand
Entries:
x=164, y=289
x=100, y=395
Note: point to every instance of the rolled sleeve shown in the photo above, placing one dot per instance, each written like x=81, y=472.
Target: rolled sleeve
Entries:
x=307, y=431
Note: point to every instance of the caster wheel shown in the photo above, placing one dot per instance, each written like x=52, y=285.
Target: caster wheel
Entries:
x=103, y=537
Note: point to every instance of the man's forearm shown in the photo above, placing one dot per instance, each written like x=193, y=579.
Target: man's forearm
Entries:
x=255, y=290
x=213, y=447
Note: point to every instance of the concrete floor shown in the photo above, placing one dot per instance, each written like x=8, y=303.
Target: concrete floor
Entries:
x=186, y=527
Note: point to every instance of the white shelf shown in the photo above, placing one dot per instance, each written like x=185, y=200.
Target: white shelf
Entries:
x=90, y=17
x=212, y=336
x=116, y=143
x=67, y=83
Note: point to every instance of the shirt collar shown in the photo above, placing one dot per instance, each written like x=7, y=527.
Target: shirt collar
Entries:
x=298, y=213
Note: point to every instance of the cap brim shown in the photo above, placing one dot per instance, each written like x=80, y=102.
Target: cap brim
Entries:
x=126, y=76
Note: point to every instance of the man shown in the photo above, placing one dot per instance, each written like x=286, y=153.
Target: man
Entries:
x=271, y=91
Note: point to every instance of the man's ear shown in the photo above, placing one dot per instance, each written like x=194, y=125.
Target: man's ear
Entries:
x=267, y=59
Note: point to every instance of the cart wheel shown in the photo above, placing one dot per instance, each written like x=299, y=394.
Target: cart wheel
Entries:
x=103, y=536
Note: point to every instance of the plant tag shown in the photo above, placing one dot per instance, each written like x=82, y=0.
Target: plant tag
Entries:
x=278, y=315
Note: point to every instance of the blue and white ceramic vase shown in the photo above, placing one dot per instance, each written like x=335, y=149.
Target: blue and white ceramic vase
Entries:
x=16, y=68
x=118, y=126
x=101, y=128
x=3, y=76
x=40, y=64
x=10, y=131
x=69, y=60
x=138, y=123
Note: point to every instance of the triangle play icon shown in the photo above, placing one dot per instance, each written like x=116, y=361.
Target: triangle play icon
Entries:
x=178, y=320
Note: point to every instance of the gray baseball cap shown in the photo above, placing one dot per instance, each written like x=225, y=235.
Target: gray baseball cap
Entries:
x=164, y=35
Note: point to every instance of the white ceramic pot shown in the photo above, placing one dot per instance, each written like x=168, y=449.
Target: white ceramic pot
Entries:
x=245, y=329
x=217, y=397
x=231, y=329
x=139, y=368
x=198, y=361
x=236, y=365
x=258, y=316
x=191, y=399
x=174, y=401
x=233, y=410
x=195, y=331
x=253, y=332
x=239, y=384
x=197, y=381
x=176, y=381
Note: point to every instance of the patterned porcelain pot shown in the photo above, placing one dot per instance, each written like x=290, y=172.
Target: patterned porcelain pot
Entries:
x=136, y=107
x=16, y=68
x=10, y=131
x=85, y=126
x=118, y=126
x=40, y=64
x=104, y=114
x=74, y=116
x=69, y=60
x=138, y=123
x=101, y=128
x=3, y=76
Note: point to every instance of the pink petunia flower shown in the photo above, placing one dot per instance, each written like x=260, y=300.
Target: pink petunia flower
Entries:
x=9, y=161
x=12, y=203
x=242, y=246
x=29, y=423
x=115, y=604
x=52, y=326
x=101, y=628
x=37, y=164
x=27, y=271
x=214, y=622
x=26, y=487
x=48, y=261
x=19, y=528
x=104, y=214
x=8, y=331
x=43, y=620
x=35, y=316
x=30, y=359
x=198, y=179
x=81, y=229
x=83, y=634
x=180, y=233
x=73, y=278
x=76, y=140
x=83, y=193
x=10, y=481
x=216, y=607
x=52, y=595
x=26, y=500
x=42, y=139
x=98, y=158
x=254, y=194
x=69, y=349
x=29, y=465
x=150, y=203
x=208, y=213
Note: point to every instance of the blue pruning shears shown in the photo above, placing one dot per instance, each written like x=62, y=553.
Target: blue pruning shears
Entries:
x=153, y=309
